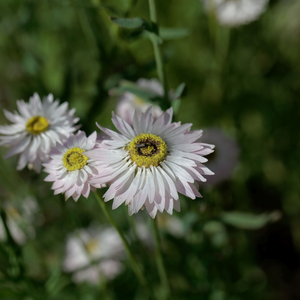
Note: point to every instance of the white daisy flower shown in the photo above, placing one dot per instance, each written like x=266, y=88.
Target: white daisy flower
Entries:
x=70, y=168
x=35, y=129
x=92, y=253
x=149, y=163
x=129, y=102
x=20, y=220
x=225, y=158
x=234, y=13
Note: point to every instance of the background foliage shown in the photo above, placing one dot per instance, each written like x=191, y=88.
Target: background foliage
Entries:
x=243, y=80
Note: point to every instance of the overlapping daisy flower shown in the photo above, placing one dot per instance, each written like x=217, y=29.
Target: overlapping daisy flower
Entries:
x=128, y=102
x=35, y=129
x=234, y=13
x=93, y=253
x=149, y=163
x=70, y=168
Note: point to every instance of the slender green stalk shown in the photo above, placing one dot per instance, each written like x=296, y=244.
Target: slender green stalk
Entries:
x=135, y=266
x=159, y=262
x=157, y=49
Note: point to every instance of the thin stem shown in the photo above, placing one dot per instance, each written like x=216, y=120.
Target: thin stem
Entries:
x=157, y=50
x=159, y=261
x=135, y=266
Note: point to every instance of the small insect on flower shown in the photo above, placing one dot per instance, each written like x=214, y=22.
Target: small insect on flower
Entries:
x=149, y=163
x=37, y=128
x=70, y=168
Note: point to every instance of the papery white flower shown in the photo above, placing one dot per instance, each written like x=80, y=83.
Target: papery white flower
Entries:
x=234, y=13
x=35, y=129
x=20, y=220
x=92, y=253
x=129, y=102
x=70, y=168
x=149, y=163
x=224, y=160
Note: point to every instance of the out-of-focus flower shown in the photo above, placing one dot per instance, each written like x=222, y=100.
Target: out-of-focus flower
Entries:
x=92, y=253
x=173, y=225
x=35, y=129
x=129, y=102
x=225, y=158
x=234, y=13
x=20, y=220
x=149, y=163
x=70, y=168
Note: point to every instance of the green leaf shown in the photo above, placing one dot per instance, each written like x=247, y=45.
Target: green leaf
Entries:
x=131, y=23
x=249, y=221
x=179, y=90
x=176, y=105
x=173, y=33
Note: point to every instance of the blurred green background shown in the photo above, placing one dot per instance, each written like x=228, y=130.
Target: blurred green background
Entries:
x=244, y=80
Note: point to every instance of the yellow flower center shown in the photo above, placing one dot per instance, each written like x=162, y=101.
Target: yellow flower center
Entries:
x=147, y=150
x=73, y=159
x=91, y=246
x=138, y=101
x=37, y=125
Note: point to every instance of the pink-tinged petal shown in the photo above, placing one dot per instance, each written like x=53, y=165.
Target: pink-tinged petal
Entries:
x=86, y=190
x=113, y=134
x=123, y=126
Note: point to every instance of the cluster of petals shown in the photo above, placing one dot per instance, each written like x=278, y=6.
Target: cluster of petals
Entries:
x=77, y=182
x=234, y=13
x=33, y=149
x=156, y=187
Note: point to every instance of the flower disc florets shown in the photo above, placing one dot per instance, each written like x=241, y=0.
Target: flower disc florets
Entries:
x=37, y=125
x=147, y=150
x=73, y=159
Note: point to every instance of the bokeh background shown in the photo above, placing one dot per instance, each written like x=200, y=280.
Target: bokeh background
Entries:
x=245, y=81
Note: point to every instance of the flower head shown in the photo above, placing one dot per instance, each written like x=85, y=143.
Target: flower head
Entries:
x=129, y=102
x=149, y=163
x=224, y=160
x=35, y=129
x=20, y=220
x=234, y=13
x=93, y=252
x=70, y=168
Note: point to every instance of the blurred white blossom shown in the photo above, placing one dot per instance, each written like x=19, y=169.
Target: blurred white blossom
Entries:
x=234, y=13
x=93, y=253
x=20, y=220
x=129, y=102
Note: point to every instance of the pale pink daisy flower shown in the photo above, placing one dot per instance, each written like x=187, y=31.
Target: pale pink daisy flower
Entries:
x=234, y=13
x=70, y=168
x=129, y=102
x=36, y=129
x=149, y=163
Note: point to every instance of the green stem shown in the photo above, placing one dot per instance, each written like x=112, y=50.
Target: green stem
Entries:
x=135, y=266
x=159, y=261
x=157, y=50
